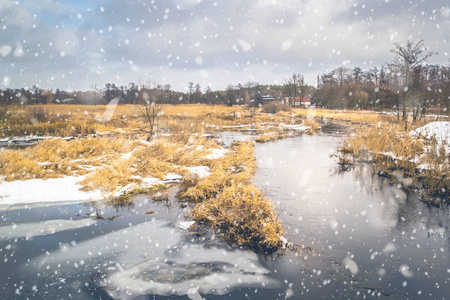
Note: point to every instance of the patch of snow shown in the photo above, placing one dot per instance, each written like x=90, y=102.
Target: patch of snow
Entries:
x=185, y=224
x=33, y=229
x=201, y=171
x=295, y=127
x=439, y=130
x=151, y=181
x=33, y=191
x=126, y=155
x=215, y=153
x=172, y=177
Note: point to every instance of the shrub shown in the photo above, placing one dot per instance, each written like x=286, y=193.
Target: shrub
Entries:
x=274, y=106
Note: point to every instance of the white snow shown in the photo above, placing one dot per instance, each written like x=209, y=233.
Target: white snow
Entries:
x=201, y=171
x=438, y=130
x=53, y=190
x=295, y=127
x=215, y=153
x=185, y=224
x=172, y=177
x=33, y=229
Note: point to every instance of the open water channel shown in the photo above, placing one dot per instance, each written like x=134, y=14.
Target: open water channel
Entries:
x=363, y=238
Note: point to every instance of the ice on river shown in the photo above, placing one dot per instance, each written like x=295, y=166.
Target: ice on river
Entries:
x=151, y=258
x=28, y=230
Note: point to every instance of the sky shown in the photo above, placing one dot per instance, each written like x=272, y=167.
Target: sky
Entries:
x=73, y=45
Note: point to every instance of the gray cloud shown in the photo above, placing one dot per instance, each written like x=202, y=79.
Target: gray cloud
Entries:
x=73, y=44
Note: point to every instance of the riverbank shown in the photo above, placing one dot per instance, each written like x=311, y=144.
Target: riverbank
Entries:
x=417, y=160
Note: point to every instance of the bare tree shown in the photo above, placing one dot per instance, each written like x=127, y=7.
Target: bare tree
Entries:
x=407, y=58
x=151, y=111
x=96, y=89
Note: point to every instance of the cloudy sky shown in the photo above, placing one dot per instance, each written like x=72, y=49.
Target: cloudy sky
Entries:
x=71, y=44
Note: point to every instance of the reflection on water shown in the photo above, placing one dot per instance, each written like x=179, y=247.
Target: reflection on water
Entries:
x=371, y=237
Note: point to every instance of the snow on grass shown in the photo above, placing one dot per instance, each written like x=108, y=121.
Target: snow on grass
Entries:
x=439, y=130
x=295, y=127
x=172, y=177
x=34, y=191
x=215, y=153
x=33, y=229
x=201, y=171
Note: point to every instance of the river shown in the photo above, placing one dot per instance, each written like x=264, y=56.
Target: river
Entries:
x=362, y=238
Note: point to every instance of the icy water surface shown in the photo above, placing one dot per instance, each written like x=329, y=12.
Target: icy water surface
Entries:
x=368, y=239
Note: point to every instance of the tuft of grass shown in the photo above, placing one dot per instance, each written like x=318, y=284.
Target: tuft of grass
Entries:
x=270, y=137
x=241, y=215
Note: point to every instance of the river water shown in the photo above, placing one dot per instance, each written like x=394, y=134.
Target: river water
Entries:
x=362, y=238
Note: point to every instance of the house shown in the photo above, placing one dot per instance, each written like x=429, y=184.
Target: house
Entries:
x=302, y=101
x=267, y=98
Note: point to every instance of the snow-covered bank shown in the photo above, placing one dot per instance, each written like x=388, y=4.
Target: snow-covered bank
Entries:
x=438, y=130
x=41, y=191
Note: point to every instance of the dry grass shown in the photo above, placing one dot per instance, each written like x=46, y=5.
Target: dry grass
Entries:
x=270, y=137
x=55, y=157
x=237, y=166
x=240, y=214
x=398, y=155
x=109, y=178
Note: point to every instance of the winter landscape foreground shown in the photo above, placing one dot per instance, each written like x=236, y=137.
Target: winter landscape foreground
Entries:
x=202, y=210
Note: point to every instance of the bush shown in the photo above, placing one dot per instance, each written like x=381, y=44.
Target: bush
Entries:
x=36, y=114
x=274, y=106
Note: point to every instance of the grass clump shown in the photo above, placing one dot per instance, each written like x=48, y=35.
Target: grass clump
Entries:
x=401, y=157
x=270, y=137
x=242, y=215
x=230, y=205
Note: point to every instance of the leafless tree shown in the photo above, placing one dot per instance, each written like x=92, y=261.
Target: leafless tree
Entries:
x=151, y=111
x=408, y=57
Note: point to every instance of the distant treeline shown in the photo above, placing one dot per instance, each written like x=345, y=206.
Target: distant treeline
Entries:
x=406, y=84
x=251, y=93
x=343, y=88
